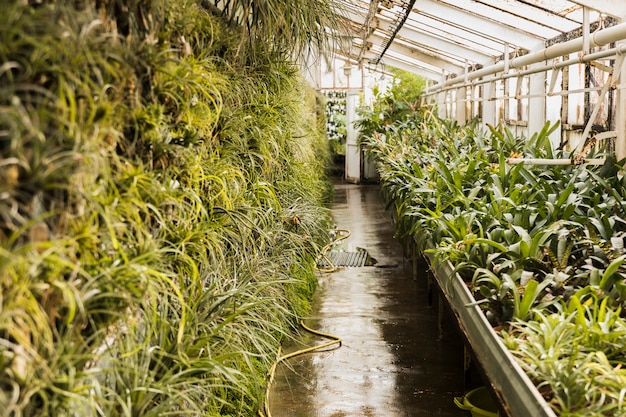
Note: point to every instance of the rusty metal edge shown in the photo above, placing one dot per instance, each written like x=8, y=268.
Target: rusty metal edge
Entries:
x=518, y=395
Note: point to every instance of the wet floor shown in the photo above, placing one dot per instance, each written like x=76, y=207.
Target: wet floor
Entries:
x=391, y=362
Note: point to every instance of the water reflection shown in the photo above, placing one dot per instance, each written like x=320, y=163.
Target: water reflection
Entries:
x=390, y=364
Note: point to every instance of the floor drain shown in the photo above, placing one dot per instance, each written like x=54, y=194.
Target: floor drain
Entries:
x=346, y=259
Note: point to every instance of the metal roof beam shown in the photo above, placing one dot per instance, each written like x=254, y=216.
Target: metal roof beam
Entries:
x=490, y=10
x=407, y=8
x=478, y=24
x=418, y=55
x=452, y=48
x=599, y=38
x=406, y=66
x=445, y=45
x=435, y=25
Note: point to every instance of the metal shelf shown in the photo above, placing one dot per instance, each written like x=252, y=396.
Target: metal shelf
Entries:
x=515, y=391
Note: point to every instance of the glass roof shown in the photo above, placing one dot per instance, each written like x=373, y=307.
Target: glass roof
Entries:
x=448, y=35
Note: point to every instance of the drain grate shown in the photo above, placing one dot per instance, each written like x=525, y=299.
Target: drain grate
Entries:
x=341, y=258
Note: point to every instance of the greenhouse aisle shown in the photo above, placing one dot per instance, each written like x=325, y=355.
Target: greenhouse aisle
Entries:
x=391, y=362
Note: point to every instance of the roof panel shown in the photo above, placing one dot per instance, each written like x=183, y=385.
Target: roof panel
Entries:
x=447, y=34
x=504, y=12
x=536, y=11
x=444, y=29
x=565, y=8
x=615, y=8
x=474, y=23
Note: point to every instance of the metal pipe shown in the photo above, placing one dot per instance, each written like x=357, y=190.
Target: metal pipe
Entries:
x=544, y=161
x=555, y=76
x=466, y=70
x=523, y=96
x=599, y=38
x=586, y=31
x=399, y=25
x=506, y=59
x=585, y=58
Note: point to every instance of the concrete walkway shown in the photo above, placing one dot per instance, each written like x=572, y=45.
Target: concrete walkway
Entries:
x=391, y=363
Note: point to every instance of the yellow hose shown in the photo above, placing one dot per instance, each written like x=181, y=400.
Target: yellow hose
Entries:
x=334, y=340
x=342, y=235
x=322, y=255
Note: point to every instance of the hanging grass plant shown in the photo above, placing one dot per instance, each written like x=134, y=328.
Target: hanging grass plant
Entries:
x=160, y=208
x=294, y=28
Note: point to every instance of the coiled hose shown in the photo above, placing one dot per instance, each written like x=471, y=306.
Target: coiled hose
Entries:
x=341, y=234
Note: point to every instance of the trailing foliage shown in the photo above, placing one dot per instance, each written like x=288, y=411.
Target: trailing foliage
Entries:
x=335, y=113
x=530, y=241
x=160, y=209
x=298, y=28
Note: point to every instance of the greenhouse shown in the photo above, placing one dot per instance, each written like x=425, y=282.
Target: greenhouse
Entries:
x=313, y=208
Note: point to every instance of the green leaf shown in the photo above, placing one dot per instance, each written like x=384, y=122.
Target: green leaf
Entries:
x=610, y=271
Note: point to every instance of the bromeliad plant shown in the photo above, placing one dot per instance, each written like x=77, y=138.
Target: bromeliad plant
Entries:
x=490, y=219
x=575, y=356
x=528, y=240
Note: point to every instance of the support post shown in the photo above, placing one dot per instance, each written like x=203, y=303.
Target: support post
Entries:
x=620, y=114
x=586, y=30
x=441, y=104
x=536, y=102
x=489, y=105
x=353, y=151
x=461, y=105
x=441, y=98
